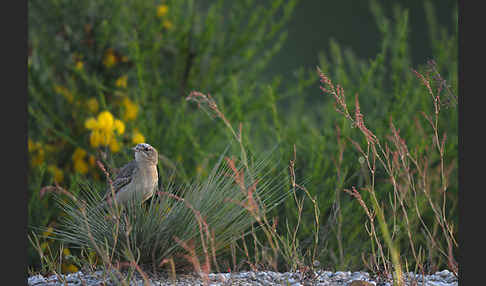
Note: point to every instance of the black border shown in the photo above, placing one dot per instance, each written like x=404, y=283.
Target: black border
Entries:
x=15, y=123
x=460, y=153
x=14, y=143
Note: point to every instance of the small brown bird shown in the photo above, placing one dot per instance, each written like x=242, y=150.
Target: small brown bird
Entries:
x=137, y=178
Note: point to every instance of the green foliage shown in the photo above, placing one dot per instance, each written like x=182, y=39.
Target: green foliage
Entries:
x=139, y=61
x=389, y=90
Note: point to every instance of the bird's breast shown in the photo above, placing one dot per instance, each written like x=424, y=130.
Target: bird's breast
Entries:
x=147, y=177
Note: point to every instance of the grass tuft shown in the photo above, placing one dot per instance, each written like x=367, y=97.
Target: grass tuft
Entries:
x=201, y=218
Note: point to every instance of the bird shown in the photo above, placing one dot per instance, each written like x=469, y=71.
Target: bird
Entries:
x=139, y=178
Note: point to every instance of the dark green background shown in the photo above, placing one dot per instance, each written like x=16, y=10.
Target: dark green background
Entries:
x=352, y=25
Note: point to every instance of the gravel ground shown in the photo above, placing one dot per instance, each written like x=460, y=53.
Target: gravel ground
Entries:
x=321, y=278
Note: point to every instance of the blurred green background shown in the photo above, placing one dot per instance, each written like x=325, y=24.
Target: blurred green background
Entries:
x=104, y=75
x=351, y=23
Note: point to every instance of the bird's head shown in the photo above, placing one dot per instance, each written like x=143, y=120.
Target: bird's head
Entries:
x=145, y=153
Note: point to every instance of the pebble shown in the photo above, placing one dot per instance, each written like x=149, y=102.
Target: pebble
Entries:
x=250, y=278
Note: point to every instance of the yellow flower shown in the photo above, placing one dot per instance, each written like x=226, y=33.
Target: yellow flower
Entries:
x=56, y=172
x=162, y=10
x=106, y=137
x=110, y=58
x=167, y=24
x=121, y=81
x=80, y=166
x=66, y=252
x=103, y=128
x=119, y=126
x=95, y=138
x=137, y=137
x=93, y=105
x=71, y=268
x=114, y=146
x=105, y=121
x=131, y=109
x=79, y=154
x=90, y=123
x=79, y=65
x=92, y=160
